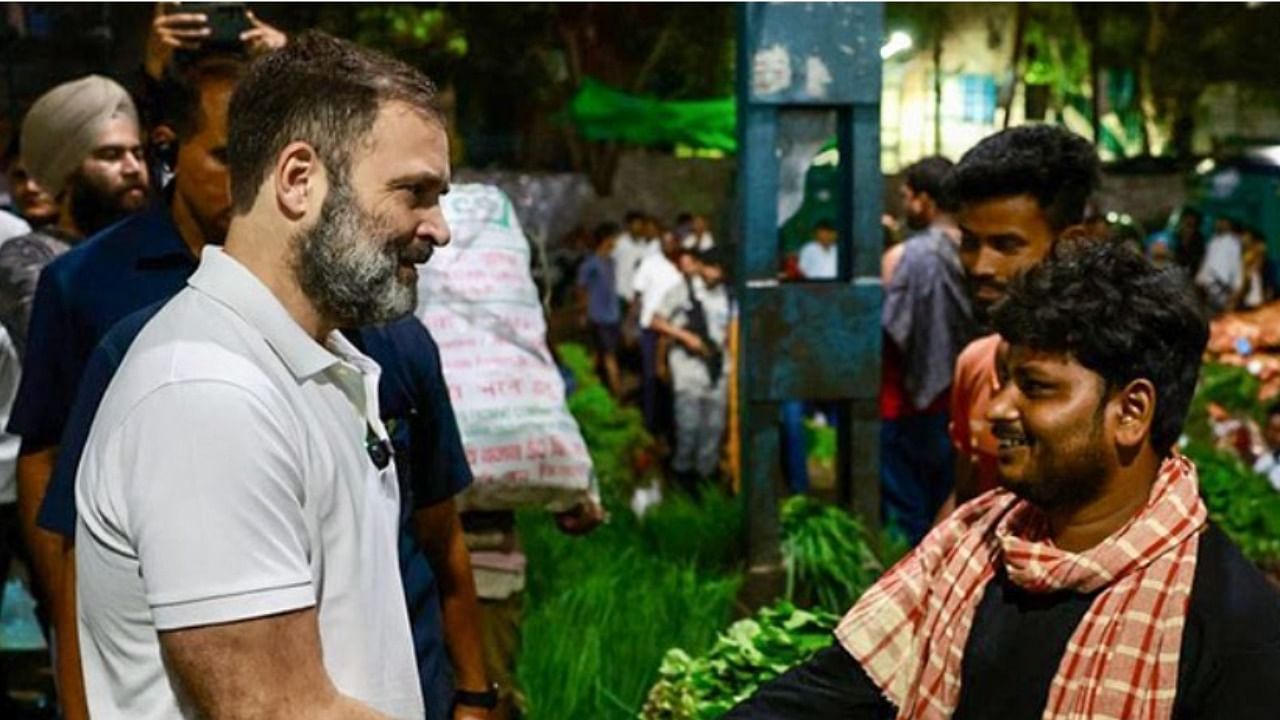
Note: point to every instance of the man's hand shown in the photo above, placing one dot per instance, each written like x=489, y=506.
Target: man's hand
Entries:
x=261, y=38
x=693, y=343
x=173, y=31
x=186, y=31
x=581, y=519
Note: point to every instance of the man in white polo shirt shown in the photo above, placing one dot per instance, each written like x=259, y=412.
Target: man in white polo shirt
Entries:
x=654, y=278
x=236, y=547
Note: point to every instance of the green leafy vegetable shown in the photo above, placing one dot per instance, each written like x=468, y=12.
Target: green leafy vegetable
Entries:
x=751, y=652
x=827, y=554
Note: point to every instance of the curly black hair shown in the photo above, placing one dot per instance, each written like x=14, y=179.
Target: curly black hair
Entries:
x=1057, y=167
x=1118, y=315
x=928, y=176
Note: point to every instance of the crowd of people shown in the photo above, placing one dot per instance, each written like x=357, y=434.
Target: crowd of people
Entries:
x=657, y=301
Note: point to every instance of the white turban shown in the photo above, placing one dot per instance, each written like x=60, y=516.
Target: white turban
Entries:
x=63, y=127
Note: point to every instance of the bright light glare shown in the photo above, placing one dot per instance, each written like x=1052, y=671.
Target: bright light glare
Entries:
x=898, y=42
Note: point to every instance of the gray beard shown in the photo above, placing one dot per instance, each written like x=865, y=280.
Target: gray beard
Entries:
x=346, y=265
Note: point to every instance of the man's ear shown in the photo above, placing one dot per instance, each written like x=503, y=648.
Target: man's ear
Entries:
x=297, y=179
x=1137, y=408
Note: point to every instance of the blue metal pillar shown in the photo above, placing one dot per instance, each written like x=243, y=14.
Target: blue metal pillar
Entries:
x=814, y=66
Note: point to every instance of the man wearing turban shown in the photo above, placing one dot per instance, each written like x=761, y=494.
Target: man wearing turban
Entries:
x=81, y=142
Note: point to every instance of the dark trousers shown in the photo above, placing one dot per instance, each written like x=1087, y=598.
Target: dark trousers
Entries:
x=650, y=386
x=794, y=447
x=917, y=472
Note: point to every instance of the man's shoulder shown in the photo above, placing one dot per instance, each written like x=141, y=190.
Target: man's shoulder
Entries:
x=191, y=338
x=405, y=343
x=677, y=295
x=980, y=353
x=12, y=226
x=37, y=244
x=1232, y=602
x=119, y=244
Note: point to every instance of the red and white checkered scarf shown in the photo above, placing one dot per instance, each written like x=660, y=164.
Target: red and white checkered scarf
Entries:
x=909, y=630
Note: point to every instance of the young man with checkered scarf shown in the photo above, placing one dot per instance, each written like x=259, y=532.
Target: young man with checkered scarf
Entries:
x=1090, y=584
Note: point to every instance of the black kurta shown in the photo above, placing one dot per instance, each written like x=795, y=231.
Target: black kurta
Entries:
x=1229, y=665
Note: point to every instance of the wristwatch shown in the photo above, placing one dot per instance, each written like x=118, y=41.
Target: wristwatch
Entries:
x=486, y=700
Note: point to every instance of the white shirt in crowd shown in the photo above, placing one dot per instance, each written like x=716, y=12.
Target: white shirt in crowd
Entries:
x=226, y=478
x=11, y=226
x=818, y=262
x=1223, y=263
x=627, y=252
x=699, y=242
x=10, y=374
x=1256, y=294
x=1268, y=466
x=653, y=280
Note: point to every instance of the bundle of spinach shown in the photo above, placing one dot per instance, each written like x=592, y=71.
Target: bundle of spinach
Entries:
x=751, y=652
x=827, y=553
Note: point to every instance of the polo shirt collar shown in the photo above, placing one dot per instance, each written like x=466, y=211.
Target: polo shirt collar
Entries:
x=224, y=279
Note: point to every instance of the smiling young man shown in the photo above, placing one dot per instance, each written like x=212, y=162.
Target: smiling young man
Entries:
x=1091, y=585
x=1014, y=194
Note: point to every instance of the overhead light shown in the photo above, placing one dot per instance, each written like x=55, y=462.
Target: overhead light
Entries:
x=898, y=42
x=1206, y=166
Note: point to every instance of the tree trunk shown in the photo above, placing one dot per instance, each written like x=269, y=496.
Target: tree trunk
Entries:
x=1092, y=28
x=937, y=92
x=1182, y=138
x=1156, y=30
x=1019, y=34
x=599, y=160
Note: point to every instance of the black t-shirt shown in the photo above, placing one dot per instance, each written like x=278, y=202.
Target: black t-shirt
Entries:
x=1229, y=665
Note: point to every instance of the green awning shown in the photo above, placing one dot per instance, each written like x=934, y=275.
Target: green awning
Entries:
x=603, y=114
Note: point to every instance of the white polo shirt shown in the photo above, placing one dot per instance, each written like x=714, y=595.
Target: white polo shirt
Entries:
x=226, y=477
x=655, y=277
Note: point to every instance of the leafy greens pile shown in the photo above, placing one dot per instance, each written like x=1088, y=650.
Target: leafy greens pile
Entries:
x=613, y=433
x=1240, y=501
x=749, y=653
x=827, y=554
x=830, y=561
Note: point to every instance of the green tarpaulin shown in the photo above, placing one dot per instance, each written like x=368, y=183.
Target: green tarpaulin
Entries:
x=602, y=113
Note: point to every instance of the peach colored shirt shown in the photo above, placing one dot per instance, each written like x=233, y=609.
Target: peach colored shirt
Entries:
x=971, y=392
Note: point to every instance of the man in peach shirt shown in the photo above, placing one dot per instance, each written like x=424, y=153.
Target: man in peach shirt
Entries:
x=1014, y=193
